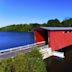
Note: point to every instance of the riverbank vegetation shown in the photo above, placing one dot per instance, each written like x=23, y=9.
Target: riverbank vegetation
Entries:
x=29, y=27
x=23, y=62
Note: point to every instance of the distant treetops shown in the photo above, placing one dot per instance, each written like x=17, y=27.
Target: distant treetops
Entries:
x=29, y=27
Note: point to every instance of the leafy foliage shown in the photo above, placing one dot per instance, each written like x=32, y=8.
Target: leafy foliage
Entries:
x=29, y=27
x=24, y=62
x=67, y=22
x=54, y=23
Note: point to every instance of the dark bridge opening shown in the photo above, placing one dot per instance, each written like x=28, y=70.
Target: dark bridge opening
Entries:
x=44, y=34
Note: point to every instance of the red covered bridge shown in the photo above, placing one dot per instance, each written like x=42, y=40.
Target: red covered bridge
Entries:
x=56, y=37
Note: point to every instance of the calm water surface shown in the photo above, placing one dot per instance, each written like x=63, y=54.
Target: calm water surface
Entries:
x=14, y=39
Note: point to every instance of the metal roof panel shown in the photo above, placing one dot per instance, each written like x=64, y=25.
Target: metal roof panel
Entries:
x=57, y=28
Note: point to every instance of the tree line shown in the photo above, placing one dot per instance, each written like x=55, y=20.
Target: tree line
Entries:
x=29, y=27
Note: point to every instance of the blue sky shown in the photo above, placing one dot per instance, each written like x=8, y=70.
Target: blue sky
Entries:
x=33, y=11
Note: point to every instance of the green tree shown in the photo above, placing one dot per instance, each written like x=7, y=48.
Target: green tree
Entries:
x=67, y=22
x=54, y=23
x=44, y=25
x=29, y=62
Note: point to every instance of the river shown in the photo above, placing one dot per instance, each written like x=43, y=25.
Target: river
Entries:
x=15, y=39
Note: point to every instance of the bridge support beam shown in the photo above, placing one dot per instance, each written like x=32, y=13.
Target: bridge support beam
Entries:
x=58, y=54
x=47, y=52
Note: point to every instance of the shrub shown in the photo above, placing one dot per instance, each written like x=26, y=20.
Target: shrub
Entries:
x=24, y=62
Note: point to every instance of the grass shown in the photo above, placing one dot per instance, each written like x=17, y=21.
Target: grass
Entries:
x=23, y=62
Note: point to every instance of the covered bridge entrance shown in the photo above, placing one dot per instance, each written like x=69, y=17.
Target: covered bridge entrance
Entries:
x=55, y=37
x=41, y=34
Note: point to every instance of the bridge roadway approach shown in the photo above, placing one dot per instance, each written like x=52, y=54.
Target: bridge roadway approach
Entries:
x=44, y=49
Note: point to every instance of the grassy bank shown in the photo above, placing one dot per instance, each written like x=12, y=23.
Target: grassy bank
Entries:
x=23, y=62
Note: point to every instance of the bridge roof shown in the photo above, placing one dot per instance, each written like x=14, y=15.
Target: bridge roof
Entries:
x=57, y=28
